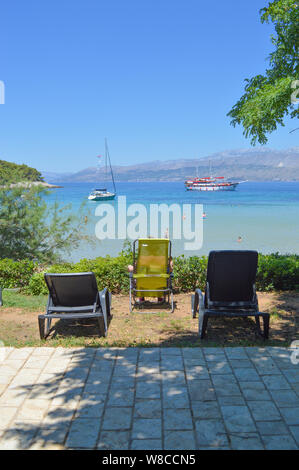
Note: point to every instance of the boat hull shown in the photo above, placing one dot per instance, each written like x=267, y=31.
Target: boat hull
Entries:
x=109, y=197
x=231, y=187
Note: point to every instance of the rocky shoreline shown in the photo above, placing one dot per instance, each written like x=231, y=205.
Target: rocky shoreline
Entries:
x=29, y=184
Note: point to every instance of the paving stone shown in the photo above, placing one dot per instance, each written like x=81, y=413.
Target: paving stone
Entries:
x=170, y=352
x=147, y=429
x=91, y=407
x=179, y=440
x=33, y=409
x=175, y=397
x=147, y=409
x=240, y=363
x=192, y=353
x=172, y=363
x=13, y=397
x=146, y=444
x=56, y=415
x=219, y=367
x=205, y=410
x=255, y=391
x=263, y=410
x=148, y=370
x=124, y=397
x=176, y=419
x=148, y=389
x=266, y=366
x=295, y=432
x=117, y=419
x=236, y=353
x=291, y=415
x=231, y=400
x=272, y=428
x=285, y=398
x=292, y=375
x=246, y=441
x=276, y=382
x=282, y=442
x=17, y=438
x=83, y=433
x=201, y=390
x=52, y=434
x=226, y=385
x=36, y=362
x=121, y=383
x=174, y=377
x=114, y=440
x=6, y=415
x=211, y=433
x=197, y=373
x=246, y=374
x=237, y=419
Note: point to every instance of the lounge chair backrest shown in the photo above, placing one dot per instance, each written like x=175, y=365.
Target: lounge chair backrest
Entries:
x=231, y=275
x=72, y=290
x=153, y=256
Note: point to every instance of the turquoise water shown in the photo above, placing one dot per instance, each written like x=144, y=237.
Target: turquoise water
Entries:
x=264, y=215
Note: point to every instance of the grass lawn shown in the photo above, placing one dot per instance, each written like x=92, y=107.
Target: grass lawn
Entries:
x=19, y=326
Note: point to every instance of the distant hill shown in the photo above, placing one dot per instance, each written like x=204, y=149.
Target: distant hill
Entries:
x=257, y=164
x=14, y=173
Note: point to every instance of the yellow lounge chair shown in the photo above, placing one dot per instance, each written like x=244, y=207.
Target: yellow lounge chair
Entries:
x=151, y=276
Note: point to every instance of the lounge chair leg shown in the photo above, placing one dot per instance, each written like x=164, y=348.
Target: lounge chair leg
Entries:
x=194, y=304
x=266, y=319
x=203, y=323
x=48, y=327
x=258, y=324
x=102, y=326
x=172, y=306
x=41, y=324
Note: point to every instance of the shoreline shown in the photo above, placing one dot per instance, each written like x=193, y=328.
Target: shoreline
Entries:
x=28, y=184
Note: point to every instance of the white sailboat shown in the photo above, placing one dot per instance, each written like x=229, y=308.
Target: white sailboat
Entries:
x=102, y=194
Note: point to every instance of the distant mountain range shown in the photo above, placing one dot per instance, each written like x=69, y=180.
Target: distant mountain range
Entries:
x=256, y=164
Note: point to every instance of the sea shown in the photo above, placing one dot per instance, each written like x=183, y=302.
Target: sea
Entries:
x=262, y=216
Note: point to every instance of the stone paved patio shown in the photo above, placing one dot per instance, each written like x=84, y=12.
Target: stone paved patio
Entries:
x=153, y=399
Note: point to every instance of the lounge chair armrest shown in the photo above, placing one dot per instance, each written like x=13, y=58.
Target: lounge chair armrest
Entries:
x=104, y=297
x=200, y=297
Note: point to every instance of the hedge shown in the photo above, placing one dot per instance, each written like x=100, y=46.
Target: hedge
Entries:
x=275, y=272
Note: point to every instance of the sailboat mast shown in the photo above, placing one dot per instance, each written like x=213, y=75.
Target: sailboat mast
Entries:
x=108, y=155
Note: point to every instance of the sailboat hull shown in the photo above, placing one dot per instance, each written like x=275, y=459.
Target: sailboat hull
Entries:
x=103, y=197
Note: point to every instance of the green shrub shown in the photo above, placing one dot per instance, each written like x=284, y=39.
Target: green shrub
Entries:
x=278, y=272
x=275, y=272
x=15, y=273
x=189, y=273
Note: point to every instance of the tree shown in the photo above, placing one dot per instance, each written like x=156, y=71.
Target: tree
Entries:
x=29, y=228
x=269, y=98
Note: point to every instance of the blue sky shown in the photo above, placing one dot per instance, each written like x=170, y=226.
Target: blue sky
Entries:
x=156, y=77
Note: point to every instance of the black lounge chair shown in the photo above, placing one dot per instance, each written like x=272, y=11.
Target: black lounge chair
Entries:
x=75, y=296
x=230, y=290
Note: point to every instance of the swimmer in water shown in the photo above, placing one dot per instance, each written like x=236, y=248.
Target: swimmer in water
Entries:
x=239, y=239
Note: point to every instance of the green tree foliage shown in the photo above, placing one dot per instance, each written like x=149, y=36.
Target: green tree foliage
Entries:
x=267, y=98
x=31, y=229
x=13, y=173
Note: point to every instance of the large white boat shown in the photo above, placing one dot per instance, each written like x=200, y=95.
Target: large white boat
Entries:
x=210, y=183
x=102, y=194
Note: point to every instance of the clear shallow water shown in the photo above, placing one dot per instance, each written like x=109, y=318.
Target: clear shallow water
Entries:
x=265, y=215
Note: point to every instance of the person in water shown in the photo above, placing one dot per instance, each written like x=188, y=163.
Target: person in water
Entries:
x=239, y=239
